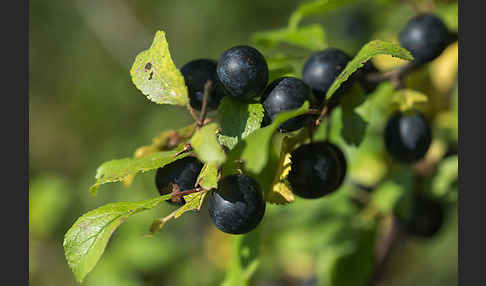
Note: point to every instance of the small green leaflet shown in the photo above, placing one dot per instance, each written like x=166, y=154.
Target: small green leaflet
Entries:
x=154, y=73
x=309, y=37
x=205, y=144
x=238, y=119
x=254, y=149
x=193, y=202
x=86, y=240
x=208, y=178
x=408, y=99
x=314, y=8
x=244, y=261
x=119, y=169
x=368, y=51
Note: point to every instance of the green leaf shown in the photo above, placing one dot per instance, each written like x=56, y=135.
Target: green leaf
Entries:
x=355, y=116
x=238, y=119
x=310, y=37
x=244, y=261
x=86, y=240
x=205, y=144
x=279, y=66
x=314, y=8
x=408, y=99
x=368, y=51
x=166, y=140
x=254, y=149
x=208, y=178
x=193, y=202
x=281, y=191
x=353, y=253
x=445, y=180
x=119, y=169
x=156, y=76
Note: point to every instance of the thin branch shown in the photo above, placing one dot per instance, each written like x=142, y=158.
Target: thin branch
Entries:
x=208, y=88
x=396, y=76
x=324, y=112
x=193, y=114
x=384, y=251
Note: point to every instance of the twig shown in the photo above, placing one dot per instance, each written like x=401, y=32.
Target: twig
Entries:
x=187, y=148
x=193, y=113
x=395, y=76
x=323, y=113
x=384, y=251
x=208, y=88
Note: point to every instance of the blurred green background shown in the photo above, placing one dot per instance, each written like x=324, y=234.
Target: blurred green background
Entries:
x=84, y=110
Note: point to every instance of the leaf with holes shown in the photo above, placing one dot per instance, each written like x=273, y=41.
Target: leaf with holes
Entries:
x=86, y=240
x=156, y=76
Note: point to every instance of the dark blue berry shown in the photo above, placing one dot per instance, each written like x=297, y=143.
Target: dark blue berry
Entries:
x=183, y=173
x=342, y=161
x=284, y=94
x=315, y=170
x=237, y=205
x=425, y=36
x=196, y=73
x=407, y=136
x=322, y=68
x=243, y=72
x=426, y=217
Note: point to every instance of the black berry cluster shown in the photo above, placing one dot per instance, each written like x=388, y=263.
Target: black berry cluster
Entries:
x=237, y=205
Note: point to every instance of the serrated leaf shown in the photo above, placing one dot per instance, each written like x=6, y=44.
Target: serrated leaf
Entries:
x=206, y=145
x=254, y=149
x=166, y=140
x=193, y=202
x=244, y=261
x=208, y=178
x=86, y=240
x=407, y=99
x=310, y=37
x=368, y=51
x=238, y=119
x=314, y=8
x=156, y=76
x=119, y=169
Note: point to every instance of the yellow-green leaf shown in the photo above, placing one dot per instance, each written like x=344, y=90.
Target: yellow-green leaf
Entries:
x=156, y=76
x=120, y=169
x=86, y=240
x=205, y=144
x=368, y=51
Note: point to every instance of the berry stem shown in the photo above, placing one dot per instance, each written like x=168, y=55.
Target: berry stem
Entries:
x=208, y=88
x=193, y=113
x=396, y=76
x=323, y=113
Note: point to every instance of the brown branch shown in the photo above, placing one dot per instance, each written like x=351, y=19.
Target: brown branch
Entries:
x=208, y=88
x=396, y=76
